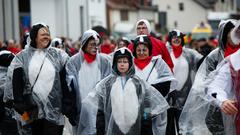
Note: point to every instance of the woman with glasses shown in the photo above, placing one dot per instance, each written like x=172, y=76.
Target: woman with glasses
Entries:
x=84, y=70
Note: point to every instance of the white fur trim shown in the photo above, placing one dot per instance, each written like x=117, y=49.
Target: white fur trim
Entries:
x=180, y=70
x=44, y=83
x=88, y=76
x=125, y=105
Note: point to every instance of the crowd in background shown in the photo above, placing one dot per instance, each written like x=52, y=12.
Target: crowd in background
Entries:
x=149, y=85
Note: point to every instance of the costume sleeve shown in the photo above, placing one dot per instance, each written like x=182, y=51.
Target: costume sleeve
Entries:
x=69, y=99
x=18, y=85
x=163, y=87
x=100, y=122
x=221, y=85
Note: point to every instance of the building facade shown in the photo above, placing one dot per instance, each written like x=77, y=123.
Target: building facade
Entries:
x=181, y=14
x=69, y=18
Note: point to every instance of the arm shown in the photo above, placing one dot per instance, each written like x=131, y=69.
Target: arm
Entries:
x=68, y=100
x=100, y=123
x=220, y=87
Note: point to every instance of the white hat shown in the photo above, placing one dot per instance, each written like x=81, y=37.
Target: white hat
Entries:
x=146, y=22
x=235, y=34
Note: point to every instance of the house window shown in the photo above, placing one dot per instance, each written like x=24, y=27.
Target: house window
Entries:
x=124, y=15
x=181, y=7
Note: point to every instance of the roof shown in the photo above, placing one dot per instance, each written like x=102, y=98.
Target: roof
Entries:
x=132, y=6
x=118, y=6
x=208, y=4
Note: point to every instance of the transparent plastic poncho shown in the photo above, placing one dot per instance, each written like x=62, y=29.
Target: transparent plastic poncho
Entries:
x=122, y=112
x=159, y=73
x=226, y=85
x=150, y=101
x=3, y=74
x=199, y=116
x=73, y=67
x=185, y=75
x=49, y=100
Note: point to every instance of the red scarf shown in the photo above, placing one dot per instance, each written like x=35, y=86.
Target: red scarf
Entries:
x=236, y=82
x=142, y=63
x=230, y=49
x=177, y=50
x=13, y=50
x=89, y=58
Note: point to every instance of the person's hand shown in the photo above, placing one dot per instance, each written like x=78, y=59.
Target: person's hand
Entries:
x=229, y=107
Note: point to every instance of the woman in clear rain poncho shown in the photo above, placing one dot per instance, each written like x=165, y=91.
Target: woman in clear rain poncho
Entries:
x=155, y=71
x=125, y=104
x=37, y=84
x=185, y=66
x=198, y=117
x=85, y=69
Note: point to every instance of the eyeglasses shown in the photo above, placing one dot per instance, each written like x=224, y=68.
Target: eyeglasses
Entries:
x=141, y=28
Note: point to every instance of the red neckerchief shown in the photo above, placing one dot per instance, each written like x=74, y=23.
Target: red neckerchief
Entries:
x=230, y=49
x=13, y=50
x=106, y=48
x=141, y=64
x=177, y=50
x=89, y=58
x=236, y=83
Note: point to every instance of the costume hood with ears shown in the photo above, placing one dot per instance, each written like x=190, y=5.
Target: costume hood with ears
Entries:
x=125, y=40
x=87, y=35
x=235, y=34
x=122, y=53
x=142, y=39
x=34, y=32
x=146, y=22
x=225, y=27
x=176, y=33
x=57, y=42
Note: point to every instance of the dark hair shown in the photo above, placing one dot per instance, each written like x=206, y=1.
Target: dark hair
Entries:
x=228, y=26
x=34, y=33
x=117, y=55
x=146, y=41
x=174, y=33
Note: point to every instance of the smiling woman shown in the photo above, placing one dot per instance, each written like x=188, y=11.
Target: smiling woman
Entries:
x=43, y=38
x=37, y=85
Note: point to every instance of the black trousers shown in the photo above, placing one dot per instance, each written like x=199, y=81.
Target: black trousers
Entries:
x=173, y=115
x=8, y=127
x=44, y=127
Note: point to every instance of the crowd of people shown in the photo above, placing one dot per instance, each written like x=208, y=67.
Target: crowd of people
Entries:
x=101, y=86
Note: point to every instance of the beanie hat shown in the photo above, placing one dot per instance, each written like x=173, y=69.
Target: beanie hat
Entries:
x=146, y=22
